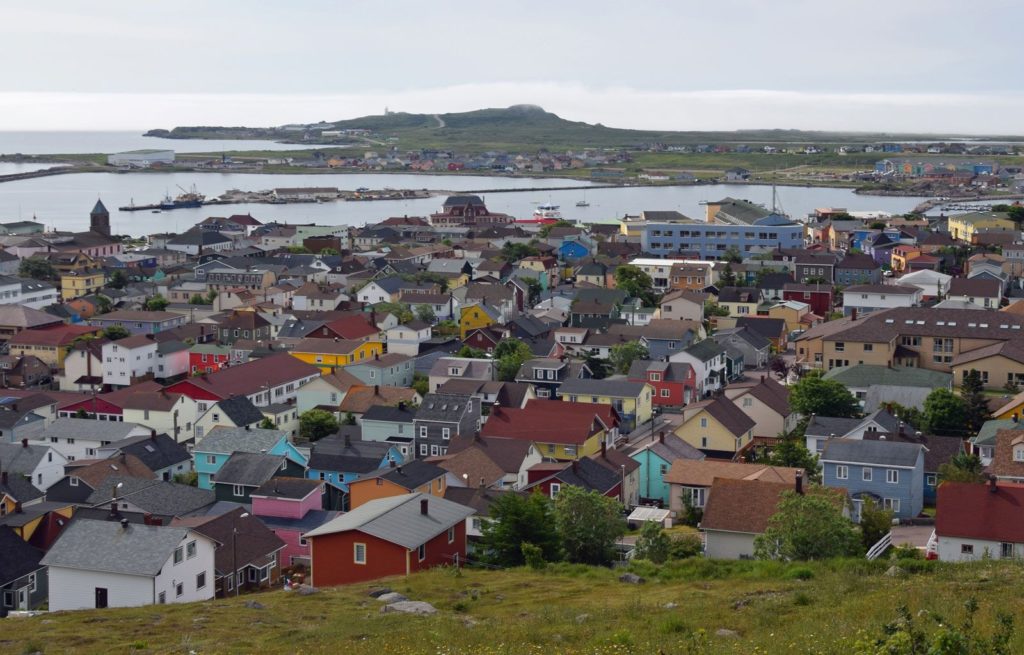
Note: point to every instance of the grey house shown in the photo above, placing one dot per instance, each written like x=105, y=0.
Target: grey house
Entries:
x=22, y=578
x=381, y=422
x=443, y=417
x=243, y=473
x=887, y=472
x=390, y=370
x=756, y=349
x=858, y=269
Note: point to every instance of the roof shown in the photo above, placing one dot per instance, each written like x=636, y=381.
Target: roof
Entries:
x=507, y=454
x=473, y=465
x=726, y=412
x=111, y=431
x=17, y=557
x=1003, y=463
x=16, y=458
x=939, y=450
x=621, y=388
x=550, y=421
x=393, y=414
x=156, y=451
x=247, y=378
x=249, y=469
x=586, y=473
x=981, y=511
x=975, y=286
x=773, y=394
x=253, y=543
x=399, y=519
x=57, y=335
x=477, y=499
x=230, y=440
x=361, y=398
x=891, y=289
x=443, y=407
x=109, y=547
x=868, y=451
x=987, y=433
x=288, y=487
x=25, y=317
x=701, y=473
x=337, y=453
x=136, y=316
x=240, y=410
x=414, y=474
x=159, y=401
x=865, y=375
x=741, y=505
x=153, y=496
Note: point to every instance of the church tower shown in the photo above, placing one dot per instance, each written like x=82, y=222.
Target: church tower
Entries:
x=99, y=219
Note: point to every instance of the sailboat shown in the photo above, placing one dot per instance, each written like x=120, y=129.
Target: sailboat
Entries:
x=583, y=203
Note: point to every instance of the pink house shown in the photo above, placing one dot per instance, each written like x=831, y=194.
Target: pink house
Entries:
x=291, y=507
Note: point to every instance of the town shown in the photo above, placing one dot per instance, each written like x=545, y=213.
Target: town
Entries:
x=253, y=407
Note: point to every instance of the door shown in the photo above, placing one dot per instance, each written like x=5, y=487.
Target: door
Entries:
x=101, y=598
x=23, y=598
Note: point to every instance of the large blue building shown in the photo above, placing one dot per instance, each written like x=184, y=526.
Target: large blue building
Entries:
x=670, y=234
x=890, y=473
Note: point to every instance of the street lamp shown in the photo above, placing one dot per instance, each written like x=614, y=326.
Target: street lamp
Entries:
x=234, y=552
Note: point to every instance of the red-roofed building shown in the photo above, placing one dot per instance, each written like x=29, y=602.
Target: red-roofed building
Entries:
x=355, y=327
x=49, y=343
x=973, y=521
x=272, y=379
x=563, y=431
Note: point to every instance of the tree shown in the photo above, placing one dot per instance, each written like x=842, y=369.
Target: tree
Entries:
x=814, y=394
x=588, y=523
x=420, y=383
x=875, y=523
x=808, y=526
x=350, y=419
x=197, y=299
x=727, y=278
x=732, y=255
x=972, y=391
x=400, y=310
x=598, y=367
x=267, y=424
x=37, y=269
x=102, y=304
x=546, y=229
x=903, y=637
x=316, y=424
x=962, y=467
x=623, y=355
x=471, y=352
x=533, y=290
x=792, y=451
x=510, y=355
x=157, y=303
x=426, y=314
x=945, y=413
x=515, y=520
x=635, y=282
x=118, y=280
x=328, y=252
x=778, y=365
x=297, y=250
x=513, y=252
x=115, y=332
x=653, y=544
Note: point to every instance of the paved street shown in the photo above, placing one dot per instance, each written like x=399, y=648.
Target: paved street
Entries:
x=915, y=535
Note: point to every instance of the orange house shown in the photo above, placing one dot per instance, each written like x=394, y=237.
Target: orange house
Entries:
x=901, y=256
x=416, y=476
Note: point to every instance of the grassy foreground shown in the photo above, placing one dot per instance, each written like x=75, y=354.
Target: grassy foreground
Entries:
x=773, y=608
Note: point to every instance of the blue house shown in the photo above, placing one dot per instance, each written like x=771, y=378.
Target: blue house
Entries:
x=655, y=459
x=888, y=472
x=339, y=459
x=220, y=443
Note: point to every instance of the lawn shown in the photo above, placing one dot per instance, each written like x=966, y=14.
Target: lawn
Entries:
x=769, y=607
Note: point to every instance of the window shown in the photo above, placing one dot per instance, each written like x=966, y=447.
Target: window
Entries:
x=200, y=580
x=842, y=472
x=703, y=422
x=421, y=552
x=555, y=488
x=32, y=586
x=840, y=346
x=237, y=490
x=665, y=393
x=423, y=432
x=161, y=598
x=868, y=347
x=359, y=553
x=697, y=496
x=892, y=476
x=966, y=549
x=891, y=503
x=703, y=442
x=446, y=433
x=451, y=534
x=190, y=550
x=930, y=480
x=655, y=377
x=1018, y=454
x=1006, y=550
x=865, y=474
x=179, y=589
x=73, y=481
x=748, y=402
x=179, y=555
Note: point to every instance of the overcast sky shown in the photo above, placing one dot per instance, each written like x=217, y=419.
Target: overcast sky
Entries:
x=939, y=65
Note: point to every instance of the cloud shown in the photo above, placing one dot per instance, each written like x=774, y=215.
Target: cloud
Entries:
x=987, y=113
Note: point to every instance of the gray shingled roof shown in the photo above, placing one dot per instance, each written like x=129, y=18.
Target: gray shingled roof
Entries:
x=880, y=453
x=230, y=440
x=153, y=496
x=443, y=407
x=399, y=520
x=250, y=469
x=106, y=546
x=240, y=410
x=84, y=428
x=622, y=388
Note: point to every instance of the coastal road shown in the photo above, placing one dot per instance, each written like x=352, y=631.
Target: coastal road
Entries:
x=440, y=121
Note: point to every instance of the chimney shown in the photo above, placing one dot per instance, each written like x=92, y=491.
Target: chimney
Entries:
x=604, y=450
x=992, y=484
x=482, y=483
x=336, y=339
x=376, y=389
x=246, y=428
x=800, y=482
x=152, y=434
x=348, y=441
x=24, y=442
x=113, y=508
x=423, y=506
x=575, y=466
x=124, y=524
x=17, y=507
x=853, y=314
x=661, y=436
x=391, y=463
x=401, y=405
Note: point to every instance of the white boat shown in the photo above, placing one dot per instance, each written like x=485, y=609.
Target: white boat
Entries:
x=582, y=203
x=547, y=211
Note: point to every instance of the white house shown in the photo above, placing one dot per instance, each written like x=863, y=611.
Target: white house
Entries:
x=41, y=464
x=37, y=294
x=982, y=291
x=83, y=368
x=931, y=283
x=709, y=364
x=867, y=298
x=173, y=414
x=406, y=339
x=80, y=438
x=98, y=564
x=736, y=512
x=171, y=359
x=374, y=293
x=978, y=521
x=127, y=360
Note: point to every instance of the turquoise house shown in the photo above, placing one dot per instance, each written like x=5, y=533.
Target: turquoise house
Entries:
x=217, y=446
x=655, y=459
x=341, y=458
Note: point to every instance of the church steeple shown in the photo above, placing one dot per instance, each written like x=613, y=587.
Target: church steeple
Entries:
x=99, y=219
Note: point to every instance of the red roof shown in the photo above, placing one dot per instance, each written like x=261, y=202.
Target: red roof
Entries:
x=247, y=378
x=974, y=511
x=350, y=327
x=56, y=335
x=550, y=421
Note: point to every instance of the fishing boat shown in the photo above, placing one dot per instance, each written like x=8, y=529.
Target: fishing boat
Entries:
x=187, y=199
x=546, y=211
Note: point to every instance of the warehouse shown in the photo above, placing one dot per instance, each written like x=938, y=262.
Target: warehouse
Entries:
x=141, y=158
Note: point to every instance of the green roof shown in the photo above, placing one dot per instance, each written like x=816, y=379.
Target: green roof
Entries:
x=865, y=375
x=987, y=434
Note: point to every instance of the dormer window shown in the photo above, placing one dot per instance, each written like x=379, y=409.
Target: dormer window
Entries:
x=1018, y=453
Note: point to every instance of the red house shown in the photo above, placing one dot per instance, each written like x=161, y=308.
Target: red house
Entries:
x=549, y=478
x=388, y=536
x=674, y=382
x=818, y=296
x=268, y=379
x=207, y=358
x=357, y=327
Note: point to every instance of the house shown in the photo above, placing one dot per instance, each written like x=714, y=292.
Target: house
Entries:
x=548, y=478
x=673, y=383
x=683, y=305
x=243, y=325
x=767, y=403
x=560, y=431
x=208, y=357
x=49, y=344
x=23, y=579
x=773, y=329
x=247, y=555
x=25, y=417
x=388, y=536
x=998, y=364
x=739, y=301
x=857, y=269
x=717, y=427
x=126, y=494
x=383, y=422
x=128, y=361
x=464, y=368
x=475, y=316
x=736, y=512
x=655, y=458
x=633, y=401
x=23, y=372
x=39, y=463
x=243, y=472
x=891, y=382
x=491, y=462
x=291, y=507
x=708, y=361
x=818, y=296
x=360, y=398
x=441, y=417
x=619, y=463
x=753, y=346
x=80, y=479
x=982, y=291
x=692, y=479
x=397, y=479
x=546, y=374
x=407, y=339
x=966, y=227
x=140, y=322
x=269, y=379
x=1008, y=455
x=339, y=459
x=328, y=354
x=980, y=521
x=822, y=428
x=933, y=285
x=660, y=336
x=389, y=370
x=214, y=450
x=938, y=451
x=160, y=453
x=89, y=568
x=862, y=299
x=81, y=438
x=234, y=412
x=887, y=472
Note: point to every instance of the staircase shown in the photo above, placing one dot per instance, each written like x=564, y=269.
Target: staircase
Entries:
x=880, y=547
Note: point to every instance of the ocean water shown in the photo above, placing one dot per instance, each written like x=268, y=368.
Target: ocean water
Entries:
x=46, y=143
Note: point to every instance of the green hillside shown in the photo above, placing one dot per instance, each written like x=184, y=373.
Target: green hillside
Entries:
x=769, y=607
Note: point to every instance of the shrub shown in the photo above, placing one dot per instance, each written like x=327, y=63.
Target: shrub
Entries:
x=802, y=599
x=533, y=556
x=799, y=573
x=683, y=546
x=906, y=551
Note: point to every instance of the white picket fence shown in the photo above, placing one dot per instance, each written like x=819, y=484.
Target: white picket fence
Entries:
x=880, y=547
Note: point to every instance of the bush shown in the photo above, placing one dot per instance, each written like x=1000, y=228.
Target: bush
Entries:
x=533, y=556
x=906, y=551
x=684, y=546
x=802, y=599
x=799, y=573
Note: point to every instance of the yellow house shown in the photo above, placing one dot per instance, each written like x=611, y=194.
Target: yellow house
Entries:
x=964, y=227
x=331, y=354
x=50, y=345
x=75, y=284
x=1013, y=407
x=792, y=312
x=740, y=301
x=475, y=316
x=25, y=529
x=633, y=401
x=716, y=427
